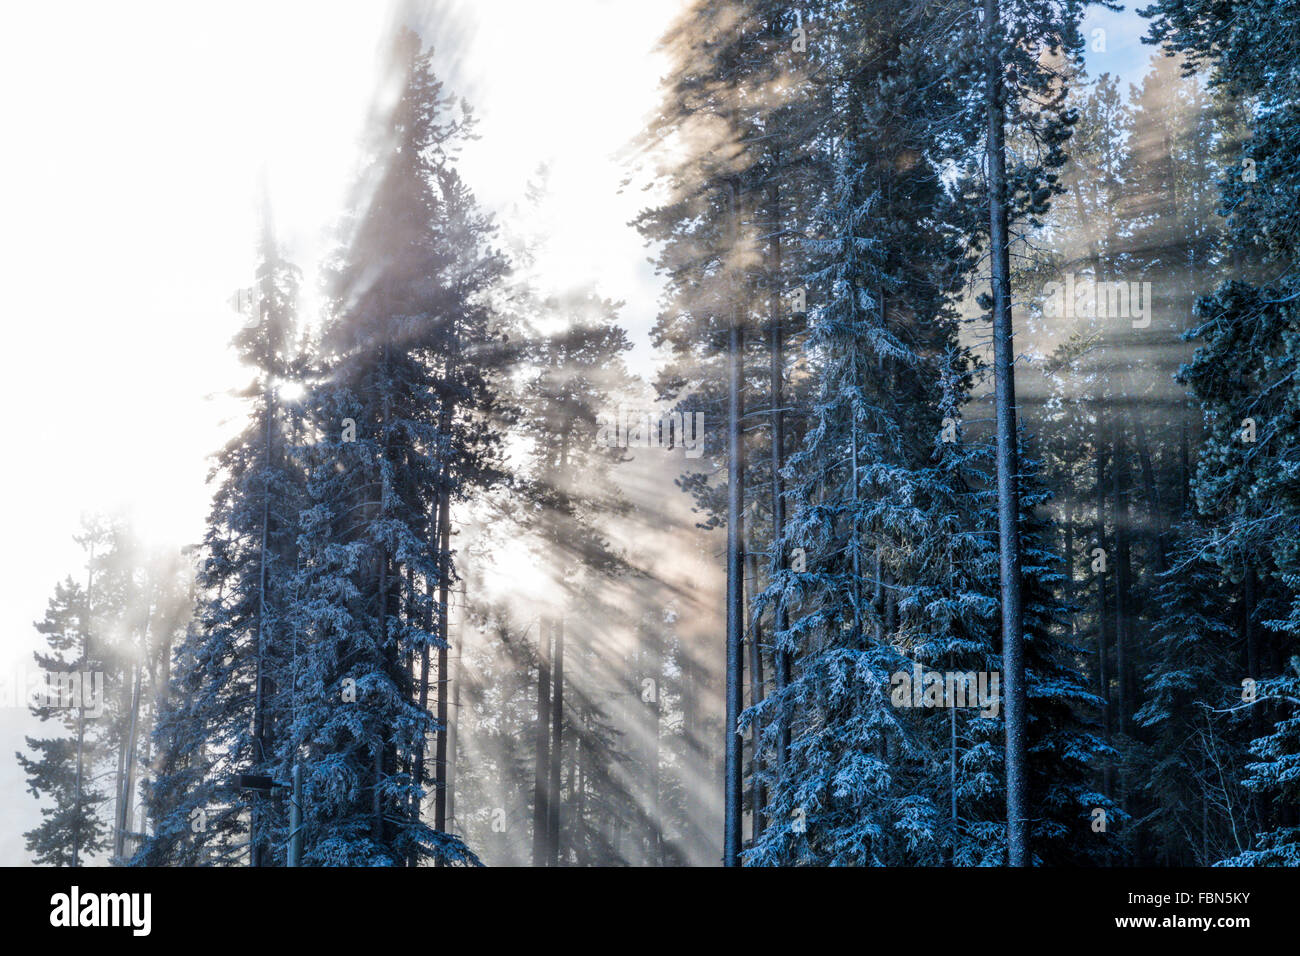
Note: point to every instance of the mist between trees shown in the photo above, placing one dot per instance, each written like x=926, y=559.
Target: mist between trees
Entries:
x=970, y=364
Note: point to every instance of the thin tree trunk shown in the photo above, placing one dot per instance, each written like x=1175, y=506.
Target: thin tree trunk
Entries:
x=257, y=849
x=1122, y=586
x=1254, y=660
x=656, y=799
x=453, y=734
x=1256, y=808
x=1103, y=675
x=542, y=738
x=376, y=802
x=128, y=768
x=776, y=379
x=81, y=713
x=855, y=544
x=557, y=745
x=735, y=575
x=1068, y=548
x=444, y=575
x=952, y=777
x=417, y=808
x=1008, y=470
x=757, y=793
x=445, y=413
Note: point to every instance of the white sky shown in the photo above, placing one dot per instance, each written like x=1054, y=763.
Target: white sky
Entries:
x=135, y=132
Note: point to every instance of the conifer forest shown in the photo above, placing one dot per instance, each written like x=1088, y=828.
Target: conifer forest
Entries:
x=587, y=433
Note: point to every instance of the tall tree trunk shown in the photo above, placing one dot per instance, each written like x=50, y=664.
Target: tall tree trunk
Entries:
x=776, y=380
x=855, y=540
x=417, y=808
x=453, y=734
x=578, y=818
x=445, y=415
x=656, y=788
x=444, y=577
x=1103, y=606
x=952, y=778
x=1254, y=659
x=257, y=846
x=1256, y=808
x=557, y=745
x=735, y=573
x=120, y=773
x=376, y=802
x=757, y=793
x=127, y=795
x=1067, y=546
x=542, y=739
x=81, y=712
x=1122, y=584
x=1013, y=662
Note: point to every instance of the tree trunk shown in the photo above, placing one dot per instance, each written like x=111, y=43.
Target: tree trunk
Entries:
x=557, y=746
x=444, y=576
x=1013, y=663
x=81, y=713
x=127, y=796
x=542, y=738
x=417, y=809
x=735, y=576
x=458, y=667
x=1103, y=675
x=1122, y=585
x=776, y=379
x=757, y=792
x=952, y=776
x=376, y=802
x=656, y=798
x=257, y=847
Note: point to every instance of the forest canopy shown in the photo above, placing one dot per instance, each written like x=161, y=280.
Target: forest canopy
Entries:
x=946, y=512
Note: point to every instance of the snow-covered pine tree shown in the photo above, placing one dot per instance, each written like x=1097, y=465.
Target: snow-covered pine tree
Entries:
x=1010, y=62
x=1244, y=375
x=103, y=677
x=403, y=429
x=225, y=712
x=743, y=95
x=1063, y=742
x=62, y=768
x=1189, y=689
x=869, y=505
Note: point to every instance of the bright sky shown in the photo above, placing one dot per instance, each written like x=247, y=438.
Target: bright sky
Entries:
x=135, y=132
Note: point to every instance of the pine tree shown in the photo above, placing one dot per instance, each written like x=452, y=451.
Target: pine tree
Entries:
x=62, y=768
x=1242, y=375
x=403, y=428
x=225, y=713
x=869, y=499
x=1186, y=685
x=578, y=370
x=1014, y=55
